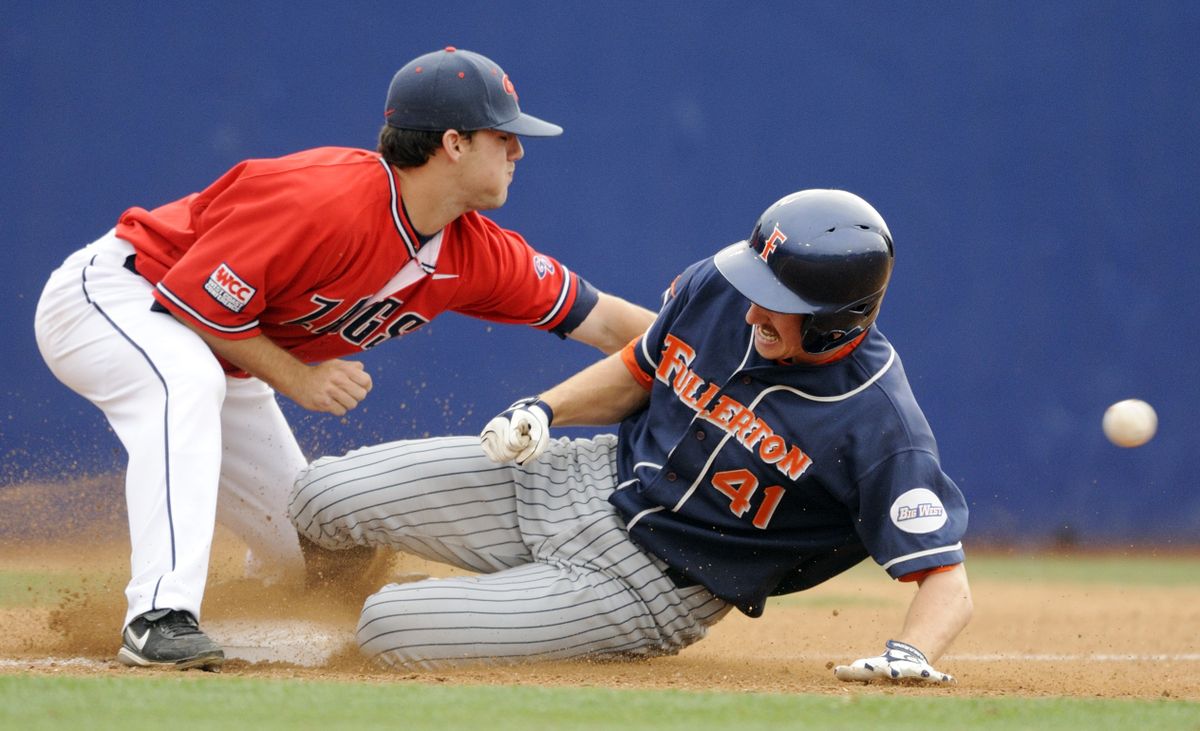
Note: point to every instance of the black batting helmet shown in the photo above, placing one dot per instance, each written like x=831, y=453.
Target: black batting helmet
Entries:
x=823, y=253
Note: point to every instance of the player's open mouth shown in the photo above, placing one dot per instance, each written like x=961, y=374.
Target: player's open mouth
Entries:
x=766, y=334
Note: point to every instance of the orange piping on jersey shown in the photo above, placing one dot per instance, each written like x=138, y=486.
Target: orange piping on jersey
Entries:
x=630, y=360
x=925, y=573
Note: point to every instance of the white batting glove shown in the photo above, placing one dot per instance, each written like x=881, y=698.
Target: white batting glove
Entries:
x=900, y=662
x=519, y=434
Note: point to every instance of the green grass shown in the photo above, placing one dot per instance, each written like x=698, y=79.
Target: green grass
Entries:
x=1117, y=570
x=1141, y=569
x=28, y=588
x=31, y=588
x=195, y=701
x=1137, y=570
x=827, y=600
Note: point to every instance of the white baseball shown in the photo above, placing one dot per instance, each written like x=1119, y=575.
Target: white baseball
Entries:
x=1130, y=423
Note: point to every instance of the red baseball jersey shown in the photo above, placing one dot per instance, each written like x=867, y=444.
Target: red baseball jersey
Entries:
x=315, y=251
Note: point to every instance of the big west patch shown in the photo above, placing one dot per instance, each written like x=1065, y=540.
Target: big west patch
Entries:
x=229, y=289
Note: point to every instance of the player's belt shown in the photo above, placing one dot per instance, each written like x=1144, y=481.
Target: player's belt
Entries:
x=131, y=263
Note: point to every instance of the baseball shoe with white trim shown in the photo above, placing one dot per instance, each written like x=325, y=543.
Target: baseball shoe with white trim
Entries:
x=169, y=638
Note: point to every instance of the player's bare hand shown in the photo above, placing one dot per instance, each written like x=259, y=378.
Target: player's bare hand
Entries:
x=519, y=434
x=899, y=663
x=334, y=387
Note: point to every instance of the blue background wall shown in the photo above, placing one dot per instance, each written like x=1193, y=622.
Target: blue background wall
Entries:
x=1036, y=162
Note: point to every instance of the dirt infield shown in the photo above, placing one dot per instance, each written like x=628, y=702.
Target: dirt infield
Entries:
x=1027, y=638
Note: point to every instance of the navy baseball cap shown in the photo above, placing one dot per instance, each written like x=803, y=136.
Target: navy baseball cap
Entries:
x=457, y=89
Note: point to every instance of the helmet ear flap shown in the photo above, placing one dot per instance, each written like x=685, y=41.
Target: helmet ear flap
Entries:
x=822, y=333
x=825, y=331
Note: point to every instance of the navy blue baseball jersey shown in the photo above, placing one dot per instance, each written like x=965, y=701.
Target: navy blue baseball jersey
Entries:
x=757, y=478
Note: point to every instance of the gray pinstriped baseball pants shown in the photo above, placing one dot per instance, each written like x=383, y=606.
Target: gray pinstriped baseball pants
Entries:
x=557, y=577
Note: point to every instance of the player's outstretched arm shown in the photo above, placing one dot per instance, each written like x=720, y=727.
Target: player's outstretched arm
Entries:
x=603, y=393
x=612, y=323
x=939, y=610
x=333, y=387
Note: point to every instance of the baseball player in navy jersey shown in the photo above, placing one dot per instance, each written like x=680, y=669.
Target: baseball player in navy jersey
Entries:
x=768, y=441
x=183, y=321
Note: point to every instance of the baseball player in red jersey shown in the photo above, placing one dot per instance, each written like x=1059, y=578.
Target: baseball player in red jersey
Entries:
x=183, y=321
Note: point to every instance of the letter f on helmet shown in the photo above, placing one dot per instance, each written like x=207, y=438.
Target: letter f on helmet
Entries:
x=776, y=238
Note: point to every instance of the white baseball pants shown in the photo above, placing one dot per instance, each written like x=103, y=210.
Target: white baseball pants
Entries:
x=191, y=433
x=559, y=576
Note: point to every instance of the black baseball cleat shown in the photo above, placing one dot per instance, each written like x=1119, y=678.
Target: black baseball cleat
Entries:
x=169, y=638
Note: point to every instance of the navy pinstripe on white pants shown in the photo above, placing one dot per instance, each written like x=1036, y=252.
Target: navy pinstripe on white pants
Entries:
x=557, y=577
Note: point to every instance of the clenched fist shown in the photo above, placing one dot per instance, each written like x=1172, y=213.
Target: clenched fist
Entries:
x=334, y=387
x=520, y=433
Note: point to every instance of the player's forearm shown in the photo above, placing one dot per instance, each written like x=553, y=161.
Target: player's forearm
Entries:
x=334, y=386
x=261, y=358
x=940, y=610
x=603, y=393
x=612, y=323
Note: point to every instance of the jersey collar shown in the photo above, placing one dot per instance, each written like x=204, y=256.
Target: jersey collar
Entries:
x=412, y=240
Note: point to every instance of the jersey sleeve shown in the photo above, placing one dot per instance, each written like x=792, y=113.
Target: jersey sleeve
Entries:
x=639, y=356
x=586, y=297
x=252, y=243
x=506, y=280
x=912, y=517
x=634, y=366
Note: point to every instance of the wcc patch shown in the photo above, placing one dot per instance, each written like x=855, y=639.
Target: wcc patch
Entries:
x=229, y=289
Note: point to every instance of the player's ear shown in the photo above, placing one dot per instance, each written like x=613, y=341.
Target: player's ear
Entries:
x=453, y=143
